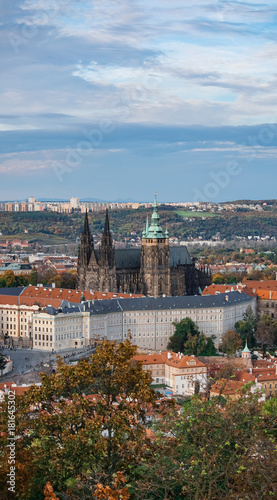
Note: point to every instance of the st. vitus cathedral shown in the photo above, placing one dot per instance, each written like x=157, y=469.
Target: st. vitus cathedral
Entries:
x=155, y=269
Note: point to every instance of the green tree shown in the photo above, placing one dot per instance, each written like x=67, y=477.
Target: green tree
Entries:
x=3, y=361
x=246, y=327
x=209, y=349
x=209, y=452
x=195, y=344
x=33, y=277
x=22, y=280
x=184, y=330
x=230, y=342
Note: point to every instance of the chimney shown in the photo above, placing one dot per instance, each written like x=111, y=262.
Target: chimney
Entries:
x=226, y=298
x=53, y=285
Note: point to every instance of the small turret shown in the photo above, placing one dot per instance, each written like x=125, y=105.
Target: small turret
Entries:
x=246, y=353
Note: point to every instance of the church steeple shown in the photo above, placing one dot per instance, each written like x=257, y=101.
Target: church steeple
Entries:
x=86, y=225
x=86, y=246
x=106, y=251
x=155, y=229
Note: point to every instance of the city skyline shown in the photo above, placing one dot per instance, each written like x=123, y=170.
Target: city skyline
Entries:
x=116, y=100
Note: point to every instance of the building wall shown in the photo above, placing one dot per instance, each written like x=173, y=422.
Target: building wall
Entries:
x=182, y=380
x=150, y=329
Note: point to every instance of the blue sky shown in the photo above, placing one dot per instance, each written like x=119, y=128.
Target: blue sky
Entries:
x=114, y=99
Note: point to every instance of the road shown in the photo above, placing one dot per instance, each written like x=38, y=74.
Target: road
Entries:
x=25, y=360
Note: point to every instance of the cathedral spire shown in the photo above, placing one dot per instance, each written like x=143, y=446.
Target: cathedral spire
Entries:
x=86, y=225
x=155, y=229
x=86, y=246
x=106, y=251
x=107, y=224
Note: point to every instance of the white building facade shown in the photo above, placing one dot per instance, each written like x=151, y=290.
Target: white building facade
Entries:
x=149, y=320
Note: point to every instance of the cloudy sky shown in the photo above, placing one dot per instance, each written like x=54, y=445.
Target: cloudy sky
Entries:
x=114, y=99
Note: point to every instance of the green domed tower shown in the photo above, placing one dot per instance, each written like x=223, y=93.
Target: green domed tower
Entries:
x=155, y=268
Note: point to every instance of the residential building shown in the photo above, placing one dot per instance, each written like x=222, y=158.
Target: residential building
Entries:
x=182, y=374
x=265, y=291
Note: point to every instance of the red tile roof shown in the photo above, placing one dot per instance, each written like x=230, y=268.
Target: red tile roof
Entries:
x=46, y=295
x=227, y=387
x=215, y=289
x=180, y=361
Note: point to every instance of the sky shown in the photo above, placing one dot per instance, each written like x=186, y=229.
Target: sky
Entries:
x=116, y=99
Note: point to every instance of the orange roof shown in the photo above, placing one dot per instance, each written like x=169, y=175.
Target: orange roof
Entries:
x=268, y=376
x=266, y=289
x=262, y=285
x=245, y=377
x=10, y=300
x=151, y=359
x=263, y=363
x=227, y=387
x=54, y=296
x=178, y=360
x=215, y=289
x=19, y=390
x=7, y=385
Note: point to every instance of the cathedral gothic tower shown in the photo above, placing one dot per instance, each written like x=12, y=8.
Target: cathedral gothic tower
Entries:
x=86, y=250
x=155, y=260
x=155, y=269
x=106, y=260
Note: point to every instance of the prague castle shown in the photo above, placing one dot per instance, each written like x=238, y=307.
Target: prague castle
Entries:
x=156, y=269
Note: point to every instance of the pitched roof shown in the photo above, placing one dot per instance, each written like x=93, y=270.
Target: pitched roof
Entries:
x=169, y=358
x=129, y=258
x=217, y=289
x=227, y=387
x=245, y=377
x=14, y=291
x=158, y=303
x=262, y=285
x=45, y=296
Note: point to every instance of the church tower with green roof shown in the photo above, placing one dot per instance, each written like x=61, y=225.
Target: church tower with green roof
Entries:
x=155, y=265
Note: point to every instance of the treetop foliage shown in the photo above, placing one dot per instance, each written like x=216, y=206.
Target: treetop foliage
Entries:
x=83, y=435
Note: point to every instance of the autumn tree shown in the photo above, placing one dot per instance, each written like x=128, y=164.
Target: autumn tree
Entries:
x=230, y=342
x=218, y=279
x=195, y=344
x=76, y=441
x=265, y=331
x=204, y=452
x=9, y=279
